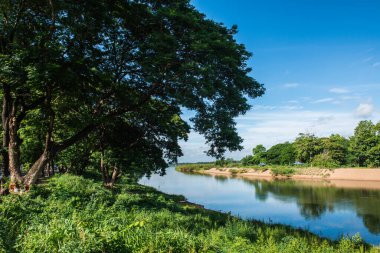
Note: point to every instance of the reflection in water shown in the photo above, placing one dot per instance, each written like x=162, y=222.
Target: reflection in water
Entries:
x=317, y=206
x=314, y=200
x=221, y=179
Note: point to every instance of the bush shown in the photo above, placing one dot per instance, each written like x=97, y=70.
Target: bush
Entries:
x=195, y=167
x=283, y=171
x=324, y=160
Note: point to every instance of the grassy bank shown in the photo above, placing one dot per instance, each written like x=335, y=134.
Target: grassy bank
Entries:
x=74, y=214
x=281, y=171
x=276, y=170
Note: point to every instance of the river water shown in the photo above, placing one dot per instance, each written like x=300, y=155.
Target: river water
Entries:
x=319, y=207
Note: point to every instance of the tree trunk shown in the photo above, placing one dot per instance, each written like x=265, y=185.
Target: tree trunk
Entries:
x=103, y=169
x=115, y=176
x=14, y=152
x=35, y=171
x=46, y=172
x=5, y=125
x=43, y=162
x=52, y=165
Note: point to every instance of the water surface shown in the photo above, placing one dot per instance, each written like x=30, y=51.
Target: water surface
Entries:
x=316, y=206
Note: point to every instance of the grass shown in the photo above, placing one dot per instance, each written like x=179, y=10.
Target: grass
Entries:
x=283, y=171
x=235, y=169
x=192, y=168
x=75, y=214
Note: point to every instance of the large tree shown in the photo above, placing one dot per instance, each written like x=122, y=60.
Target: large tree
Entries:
x=68, y=68
x=336, y=147
x=365, y=144
x=307, y=146
x=283, y=154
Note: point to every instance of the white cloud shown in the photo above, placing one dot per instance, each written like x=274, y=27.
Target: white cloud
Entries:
x=365, y=110
x=376, y=64
x=291, y=85
x=339, y=90
x=323, y=100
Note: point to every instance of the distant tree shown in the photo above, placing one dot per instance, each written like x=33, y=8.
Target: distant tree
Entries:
x=259, y=149
x=364, y=139
x=282, y=154
x=374, y=156
x=307, y=146
x=247, y=160
x=374, y=152
x=258, y=154
x=324, y=160
x=336, y=146
x=225, y=162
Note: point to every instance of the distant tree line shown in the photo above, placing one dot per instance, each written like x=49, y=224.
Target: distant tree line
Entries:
x=360, y=150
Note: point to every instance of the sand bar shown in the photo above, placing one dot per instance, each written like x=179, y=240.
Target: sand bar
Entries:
x=341, y=178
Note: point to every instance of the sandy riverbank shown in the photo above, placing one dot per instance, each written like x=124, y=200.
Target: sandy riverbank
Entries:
x=307, y=173
x=342, y=177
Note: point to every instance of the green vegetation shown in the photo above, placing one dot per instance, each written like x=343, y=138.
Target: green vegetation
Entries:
x=195, y=167
x=238, y=168
x=80, y=215
x=360, y=150
x=100, y=86
x=281, y=154
x=103, y=84
x=283, y=171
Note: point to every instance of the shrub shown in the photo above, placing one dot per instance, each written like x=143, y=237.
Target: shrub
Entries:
x=324, y=160
x=191, y=168
x=283, y=171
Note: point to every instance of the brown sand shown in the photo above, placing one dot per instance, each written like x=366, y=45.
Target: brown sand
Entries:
x=341, y=178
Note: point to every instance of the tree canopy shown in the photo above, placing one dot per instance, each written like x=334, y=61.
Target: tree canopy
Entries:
x=112, y=77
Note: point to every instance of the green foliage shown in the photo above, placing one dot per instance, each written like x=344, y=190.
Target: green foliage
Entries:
x=283, y=171
x=361, y=150
x=225, y=162
x=307, y=146
x=247, y=160
x=258, y=154
x=120, y=73
x=79, y=215
x=324, y=160
x=194, y=167
x=365, y=143
x=337, y=148
x=281, y=154
x=374, y=156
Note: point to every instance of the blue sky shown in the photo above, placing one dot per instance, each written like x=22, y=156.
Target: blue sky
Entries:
x=319, y=61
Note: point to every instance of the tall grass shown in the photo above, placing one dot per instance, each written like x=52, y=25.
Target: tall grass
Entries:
x=237, y=168
x=74, y=214
x=196, y=167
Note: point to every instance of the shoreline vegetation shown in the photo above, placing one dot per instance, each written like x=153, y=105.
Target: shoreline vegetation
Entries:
x=286, y=172
x=78, y=214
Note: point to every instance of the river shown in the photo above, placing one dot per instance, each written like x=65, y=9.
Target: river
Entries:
x=315, y=206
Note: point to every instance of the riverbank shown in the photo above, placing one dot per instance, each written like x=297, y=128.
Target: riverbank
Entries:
x=349, y=174
x=75, y=214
